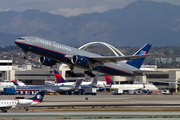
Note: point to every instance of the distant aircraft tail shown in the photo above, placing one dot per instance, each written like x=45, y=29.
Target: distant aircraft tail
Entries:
x=108, y=80
x=78, y=83
x=59, y=78
x=15, y=83
x=38, y=97
x=95, y=80
x=139, y=61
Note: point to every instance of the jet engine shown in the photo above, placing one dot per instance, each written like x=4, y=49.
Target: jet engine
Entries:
x=24, y=101
x=80, y=60
x=47, y=61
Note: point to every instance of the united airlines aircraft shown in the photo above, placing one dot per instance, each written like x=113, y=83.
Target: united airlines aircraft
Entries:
x=52, y=53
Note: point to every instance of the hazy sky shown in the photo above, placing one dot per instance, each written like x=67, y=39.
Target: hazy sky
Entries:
x=69, y=7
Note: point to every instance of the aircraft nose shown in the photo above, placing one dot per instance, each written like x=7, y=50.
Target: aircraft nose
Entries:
x=16, y=42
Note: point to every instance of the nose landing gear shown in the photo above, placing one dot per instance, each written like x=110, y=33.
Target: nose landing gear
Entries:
x=25, y=56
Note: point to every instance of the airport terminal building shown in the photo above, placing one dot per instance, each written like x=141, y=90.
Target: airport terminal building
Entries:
x=163, y=79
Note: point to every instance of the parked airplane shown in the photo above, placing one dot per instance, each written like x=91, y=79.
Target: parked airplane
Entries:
x=48, y=88
x=126, y=87
x=52, y=53
x=7, y=84
x=7, y=104
x=94, y=83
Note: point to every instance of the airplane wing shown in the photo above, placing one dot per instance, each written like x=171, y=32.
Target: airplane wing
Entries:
x=147, y=71
x=107, y=59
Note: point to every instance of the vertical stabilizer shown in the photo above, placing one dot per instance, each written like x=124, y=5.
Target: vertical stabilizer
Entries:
x=95, y=80
x=59, y=78
x=15, y=83
x=39, y=96
x=108, y=80
x=78, y=83
x=139, y=61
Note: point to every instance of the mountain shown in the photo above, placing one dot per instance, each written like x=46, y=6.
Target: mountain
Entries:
x=134, y=25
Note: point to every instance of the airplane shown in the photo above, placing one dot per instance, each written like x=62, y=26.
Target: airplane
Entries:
x=7, y=104
x=8, y=84
x=94, y=84
x=48, y=88
x=127, y=87
x=52, y=53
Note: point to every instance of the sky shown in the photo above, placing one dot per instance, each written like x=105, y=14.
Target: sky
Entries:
x=69, y=7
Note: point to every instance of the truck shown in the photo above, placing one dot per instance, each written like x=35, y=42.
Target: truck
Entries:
x=90, y=91
x=9, y=91
x=118, y=91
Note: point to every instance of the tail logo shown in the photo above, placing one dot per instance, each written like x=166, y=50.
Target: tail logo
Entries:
x=94, y=81
x=142, y=52
x=108, y=79
x=58, y=78
x=77, y=83
x=39, y=97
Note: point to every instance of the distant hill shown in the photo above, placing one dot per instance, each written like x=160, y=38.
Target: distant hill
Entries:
x=136, y=24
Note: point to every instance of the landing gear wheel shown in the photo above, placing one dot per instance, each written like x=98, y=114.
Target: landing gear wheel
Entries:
x=27, y=109
x=4, y=110
x=71, y=73
x=89, y=73
x=25, y=57
x=92, y=75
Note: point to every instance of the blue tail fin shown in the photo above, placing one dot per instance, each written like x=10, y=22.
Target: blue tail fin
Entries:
x=59, y=78
x=15, y=83
x=139, y=61
x=108, y=80
x=39, y=96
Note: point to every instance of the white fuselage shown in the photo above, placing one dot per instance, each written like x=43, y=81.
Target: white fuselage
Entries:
x=9, y=84
x=135, y=87
x=18, y=103
x=99, y=83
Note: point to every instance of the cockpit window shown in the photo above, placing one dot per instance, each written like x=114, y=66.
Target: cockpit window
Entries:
x=21, y=39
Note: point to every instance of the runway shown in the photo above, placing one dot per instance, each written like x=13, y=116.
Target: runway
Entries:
x=104, y=99
x=101, y=106
x=91, y=115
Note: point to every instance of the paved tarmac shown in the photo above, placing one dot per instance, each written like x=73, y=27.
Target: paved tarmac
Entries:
x=106, y=99
x=101, y=106
x=162, y=115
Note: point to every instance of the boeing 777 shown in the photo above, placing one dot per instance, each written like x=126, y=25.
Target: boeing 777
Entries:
x=52, y=53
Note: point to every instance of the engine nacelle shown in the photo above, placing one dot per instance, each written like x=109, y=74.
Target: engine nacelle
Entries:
x=25, y=101
x=47, y=61
x=80, y=60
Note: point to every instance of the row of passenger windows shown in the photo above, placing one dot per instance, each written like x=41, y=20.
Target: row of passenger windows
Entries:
x=8, y=102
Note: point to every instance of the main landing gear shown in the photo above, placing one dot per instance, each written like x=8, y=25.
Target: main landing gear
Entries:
x=27, y=109
x=71, y=73
x=4, y=110
x=89, y=73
